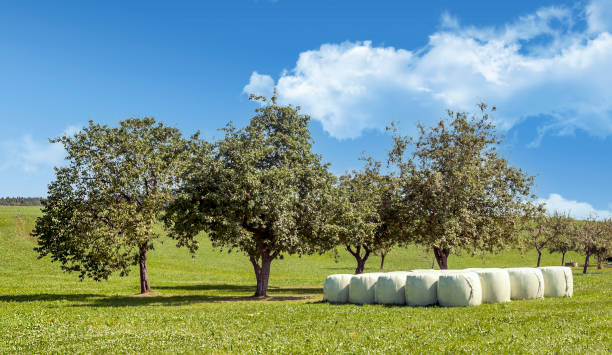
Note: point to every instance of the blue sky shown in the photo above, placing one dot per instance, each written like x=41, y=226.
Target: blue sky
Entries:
x=353, y=65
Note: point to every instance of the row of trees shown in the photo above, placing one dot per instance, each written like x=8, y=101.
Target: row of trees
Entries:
x=261, y=190
x=559, y=233
x=20, y=201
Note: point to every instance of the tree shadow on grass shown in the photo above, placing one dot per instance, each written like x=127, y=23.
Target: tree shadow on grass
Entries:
x=276, y=294
x=48, y=297
x=240, y=288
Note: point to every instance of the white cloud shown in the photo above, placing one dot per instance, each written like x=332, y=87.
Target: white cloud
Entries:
x=599, y=16
x=542, y=66
x=262, y=85
x=580, y=210
x=30, y=155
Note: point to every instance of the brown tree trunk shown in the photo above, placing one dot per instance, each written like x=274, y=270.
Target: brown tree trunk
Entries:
x=382, y=261
x=586, y=263
x=144, y=275
x=563, y=259
x=599, y=267
x=539, y=257
x=262, y=274
x=441, y=255
x=361, y=260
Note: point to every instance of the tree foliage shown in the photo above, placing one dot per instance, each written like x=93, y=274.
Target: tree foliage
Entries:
x=99, y=214
x=457, y=192
x=260, y=189
x=542, y=230
x=594, y=238
x=364, y=215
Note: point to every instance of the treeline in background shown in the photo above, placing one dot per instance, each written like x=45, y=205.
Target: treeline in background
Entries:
x=20, y=201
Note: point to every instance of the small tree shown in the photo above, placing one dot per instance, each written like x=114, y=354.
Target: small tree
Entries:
x=99, y=214
x=603, y=247
x=541, y=230
x=364, y=213
x=260, y=190
x=457, y=193
x=592, y=236
x=565, y=240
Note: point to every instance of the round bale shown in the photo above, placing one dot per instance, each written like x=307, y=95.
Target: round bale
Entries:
x=336, y=288
x=495, y=284
x=362, y=288
x=421, y=288
x=390, y=288
x=526, y=283
x=558, y=281
x=459, y=289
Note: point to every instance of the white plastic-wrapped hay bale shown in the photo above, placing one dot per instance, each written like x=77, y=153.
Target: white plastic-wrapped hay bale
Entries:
x=558, y=281
x=336, y=288
x=459, y=289
x=362, y=288
x=390, y=288
x=421, y=288
x=526, y=283
x=495, y=284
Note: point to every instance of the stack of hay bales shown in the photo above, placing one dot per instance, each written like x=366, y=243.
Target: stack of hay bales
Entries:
x=390, y=288
x=421, y=287
x=449, y=288
x=336, y=288
x=526, y=283
x=558, y=281
x=495, y=284
x=362, y=288
x=459, y=289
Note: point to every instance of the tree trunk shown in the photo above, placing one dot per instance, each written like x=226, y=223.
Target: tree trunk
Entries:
x=262, y=274
x=144, y=275
x=539, y=257
x=586, y=263
x=361, y=260
x=441, y=255
x=382, y=261
x=563, y=259
x=599, y=267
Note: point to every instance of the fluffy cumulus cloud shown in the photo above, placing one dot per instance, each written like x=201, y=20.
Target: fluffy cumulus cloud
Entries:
x=554, y=65
x=30, y=155
x=581, y=210
x=262, y=85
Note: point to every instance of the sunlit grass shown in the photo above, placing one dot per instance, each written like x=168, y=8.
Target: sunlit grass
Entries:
x=203, y=304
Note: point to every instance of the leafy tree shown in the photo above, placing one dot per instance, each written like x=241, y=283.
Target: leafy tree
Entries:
x=603, y=247
x=260, y=190
x=542, y=230
x=99, y=214
x=592, y=237
x=457, y=192
x=364, y=215
x=565, y=240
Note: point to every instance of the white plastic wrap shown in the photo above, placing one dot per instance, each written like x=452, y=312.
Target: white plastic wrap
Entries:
x=526, y=283
x=495, y=284
x=459, y=289
x=362, y=288
x=390, y=288
x=336, y=288
x=421, y=288
x=558, y=281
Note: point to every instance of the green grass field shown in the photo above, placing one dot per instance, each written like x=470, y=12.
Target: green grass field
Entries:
x=203, y=305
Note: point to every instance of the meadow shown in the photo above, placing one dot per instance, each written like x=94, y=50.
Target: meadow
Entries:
x=203, y=304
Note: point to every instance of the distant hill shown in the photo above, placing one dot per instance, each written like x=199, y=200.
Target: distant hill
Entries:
x=20, y=201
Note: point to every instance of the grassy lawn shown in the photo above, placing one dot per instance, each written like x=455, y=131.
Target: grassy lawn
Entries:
x=202, y=304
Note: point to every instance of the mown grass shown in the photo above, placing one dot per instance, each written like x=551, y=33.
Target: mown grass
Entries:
x=203, y=305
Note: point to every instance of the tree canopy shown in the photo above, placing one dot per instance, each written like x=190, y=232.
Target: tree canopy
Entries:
x=99, y=214
x=456, y=192
x=259, y=189
x=364, y=215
